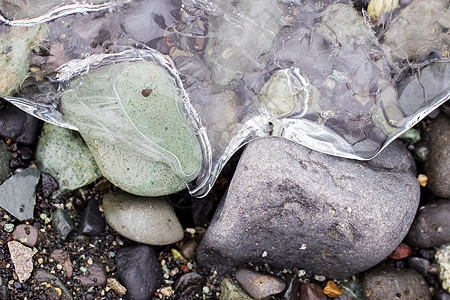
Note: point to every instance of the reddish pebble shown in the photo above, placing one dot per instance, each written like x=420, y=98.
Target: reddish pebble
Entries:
x=310, y=291
x=26, y=234
x=401, y=252
x=184, y=268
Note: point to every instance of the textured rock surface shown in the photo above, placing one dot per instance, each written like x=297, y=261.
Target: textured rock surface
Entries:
x=259, y=285
x=384, y=282
x=5, y=156
x=312, y=211
x=18, y=125
x=63, y=154
x=431, y=226
x=232, y=290
x=139, y=270
x=132, y=119
x=443, y=259
x=20, y=201
x=145, y=220
x=22, y=258
x=26, y=234
x=437, y=166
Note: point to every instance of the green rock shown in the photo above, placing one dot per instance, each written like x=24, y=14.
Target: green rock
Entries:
x=15, y=47
x=63, y=222
x=63, y=154
x=5, y=157
x=232, y=290
x=132, y=118
x=145, y=220
x=8, y=227
x=411, y=136
x=17, y=193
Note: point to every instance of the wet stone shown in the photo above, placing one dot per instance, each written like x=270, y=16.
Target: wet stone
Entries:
x=95, y=275
x=437, y=166
x=18, y=125
x=20, y=201
x=311, y=291
x=431, y=226
x=145, y=220
x=188, y=249
x=63, y=154
x=92, y=222
x=232, y=290
x=139, y=270
x=419, y=264
x=259, y=285
x=63, y=258
x=190, y=282
x=22, y=258
x=384, y=282
x=48, y=185
x=63, y=223
x=26, y=234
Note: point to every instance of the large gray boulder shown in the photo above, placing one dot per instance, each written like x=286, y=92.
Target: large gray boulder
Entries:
x=289, y=206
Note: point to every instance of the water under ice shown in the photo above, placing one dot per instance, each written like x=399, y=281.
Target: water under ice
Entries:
x=320, y=73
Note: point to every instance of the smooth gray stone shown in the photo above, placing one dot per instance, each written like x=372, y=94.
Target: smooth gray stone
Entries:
x=63, y=154
x=437, y=166
x=145, y=220
x=385, y=282
x=17, y=193
x=259, y=285
x=431, y=226
x=327, y=215
x=63, y=223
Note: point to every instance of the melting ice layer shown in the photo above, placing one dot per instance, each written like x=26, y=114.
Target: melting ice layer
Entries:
x=313, y=72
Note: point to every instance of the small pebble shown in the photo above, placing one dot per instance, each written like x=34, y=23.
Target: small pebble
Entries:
x=8, y=227
x=332, y=290
x=320, y=278
x=63, y=258
x=116, y=286
x=26, y=234
x=423, y=180
x=188, y=249
x=22, y=258
x=63, y=222
x=402, y=251
x=96, y=275
x=259, y=285
x=311, y=291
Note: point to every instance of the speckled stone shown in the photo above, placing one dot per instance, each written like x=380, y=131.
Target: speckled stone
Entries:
x=22, y=258
x=259, y=285
x=5, y=156
x=132, y=118
x=63, y=154
x=232, y=290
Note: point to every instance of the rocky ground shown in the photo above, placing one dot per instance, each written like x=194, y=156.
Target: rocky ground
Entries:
x=68, y=251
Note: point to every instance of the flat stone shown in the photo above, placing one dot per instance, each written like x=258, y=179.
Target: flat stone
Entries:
x=63, y=223
x=304, y=208
x=92, y=222
x=437, y=166
x=189, y=282
x=259, y=285
x=384, y=282
x=149, y=221
x=22, y=258
x=17, y=193
x=96, y=275
x=63, y=258
x=63, y=154
x=139, y=270
x=26, y=234
x=431, y=226
x=154, y=150
x=232, y=290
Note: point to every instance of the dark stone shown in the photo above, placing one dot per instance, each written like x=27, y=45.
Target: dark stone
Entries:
x=259, y=285
x=92, y=222
x=188, y=249
x=431, y=226
x=48, y=185
x=63, y=223
x=43, y=276
x=310, y=291
x=26, y=153
x=292, y=288
x=308, y=209
x=189, y=282
x=139, y=270
x=441, y=296
x=437, y=166
x=419, y=264
x=26, y=234
x=427, y=253
x=95, y=275
x=63, y=258
x=385, y=282
x=18, y=125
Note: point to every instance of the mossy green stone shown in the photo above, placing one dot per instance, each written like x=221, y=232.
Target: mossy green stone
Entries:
x=132, y=118
x=63, y=154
